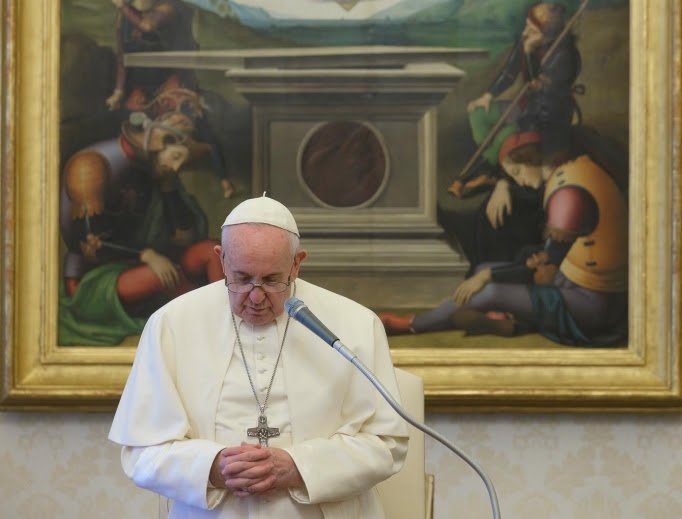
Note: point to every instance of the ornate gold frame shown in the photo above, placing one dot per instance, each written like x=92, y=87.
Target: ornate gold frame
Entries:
x=37, y=374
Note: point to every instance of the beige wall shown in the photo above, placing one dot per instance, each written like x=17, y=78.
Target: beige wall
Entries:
x=55, y=466
x=560, y=466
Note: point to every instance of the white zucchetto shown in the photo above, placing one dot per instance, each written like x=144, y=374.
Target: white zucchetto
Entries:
x=262, y=210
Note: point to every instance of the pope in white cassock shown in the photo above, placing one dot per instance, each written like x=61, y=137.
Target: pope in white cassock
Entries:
x=233, y=410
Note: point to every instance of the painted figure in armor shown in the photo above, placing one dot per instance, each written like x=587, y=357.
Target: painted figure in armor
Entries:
x=572, y=289
x=135, y=237
x=547, y=61
x=159, y=26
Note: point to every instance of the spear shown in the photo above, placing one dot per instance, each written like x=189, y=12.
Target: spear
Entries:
x=116, y=246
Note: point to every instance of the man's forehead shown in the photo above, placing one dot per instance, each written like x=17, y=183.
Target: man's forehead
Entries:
x=253, y=270
x=247, y=248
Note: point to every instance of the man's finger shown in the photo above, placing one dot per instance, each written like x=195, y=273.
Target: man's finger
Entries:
x=244, y=447
x=263, y=486
x=251, y=455
x=247, y=469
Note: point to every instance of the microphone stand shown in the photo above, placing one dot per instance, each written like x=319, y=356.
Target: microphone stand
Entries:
x=350, y=356
x=299, y=311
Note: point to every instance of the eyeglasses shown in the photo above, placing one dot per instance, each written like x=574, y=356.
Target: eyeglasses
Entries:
x=271, y=287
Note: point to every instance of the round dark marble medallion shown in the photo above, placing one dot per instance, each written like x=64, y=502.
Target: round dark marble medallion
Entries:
x=343, y=164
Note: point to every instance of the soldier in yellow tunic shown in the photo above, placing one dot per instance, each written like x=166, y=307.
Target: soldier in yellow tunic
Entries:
x=573, y=289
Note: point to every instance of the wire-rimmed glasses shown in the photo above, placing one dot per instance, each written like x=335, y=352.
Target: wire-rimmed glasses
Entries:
x=270, y=287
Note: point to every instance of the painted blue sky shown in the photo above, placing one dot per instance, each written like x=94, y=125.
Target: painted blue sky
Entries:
x=311, y=9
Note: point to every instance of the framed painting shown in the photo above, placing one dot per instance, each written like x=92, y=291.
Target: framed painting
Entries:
x=362, y=118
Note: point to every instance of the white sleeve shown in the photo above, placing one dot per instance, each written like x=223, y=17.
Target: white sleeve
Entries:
x=368, y=448
x=176, y=469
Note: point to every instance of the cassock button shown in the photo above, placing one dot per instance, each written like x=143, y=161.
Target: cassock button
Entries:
x=260, y=356
x=261, y=370
x=260, y=338
x=262, y=389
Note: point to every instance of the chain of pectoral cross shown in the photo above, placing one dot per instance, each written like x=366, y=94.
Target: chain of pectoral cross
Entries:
x=262, y=431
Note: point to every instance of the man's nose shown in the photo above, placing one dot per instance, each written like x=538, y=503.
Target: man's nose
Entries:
x=257, y=295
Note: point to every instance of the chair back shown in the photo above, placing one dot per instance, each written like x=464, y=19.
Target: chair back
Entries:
x=407, y=494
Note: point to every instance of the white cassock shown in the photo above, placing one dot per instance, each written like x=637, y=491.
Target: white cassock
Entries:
x=188, y=397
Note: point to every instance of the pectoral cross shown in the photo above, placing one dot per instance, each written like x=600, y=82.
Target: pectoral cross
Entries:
x=263, y=432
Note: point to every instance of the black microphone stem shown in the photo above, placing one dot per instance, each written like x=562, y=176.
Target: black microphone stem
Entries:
x=350, y=356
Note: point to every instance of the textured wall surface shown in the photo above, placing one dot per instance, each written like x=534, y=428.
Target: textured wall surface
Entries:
x=55, y=466
x=61, y=466
x=560, y=467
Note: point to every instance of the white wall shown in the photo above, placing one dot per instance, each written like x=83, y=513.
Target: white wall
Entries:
x=55, y=466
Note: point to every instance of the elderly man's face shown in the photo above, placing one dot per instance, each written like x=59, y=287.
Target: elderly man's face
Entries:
x=258, y=254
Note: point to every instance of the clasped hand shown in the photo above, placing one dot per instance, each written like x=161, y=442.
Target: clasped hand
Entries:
x=250, y=470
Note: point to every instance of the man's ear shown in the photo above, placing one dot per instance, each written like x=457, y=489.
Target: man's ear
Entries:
x=298, y=258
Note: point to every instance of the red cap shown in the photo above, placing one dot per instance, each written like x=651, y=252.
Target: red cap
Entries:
x=516, y=140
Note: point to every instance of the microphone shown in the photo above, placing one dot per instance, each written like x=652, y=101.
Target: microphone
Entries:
x=299, y=311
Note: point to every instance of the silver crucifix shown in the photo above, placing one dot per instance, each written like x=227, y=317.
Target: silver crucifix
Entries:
x=263, y=432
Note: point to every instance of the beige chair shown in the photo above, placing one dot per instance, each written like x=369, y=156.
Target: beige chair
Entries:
x=409, y=493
